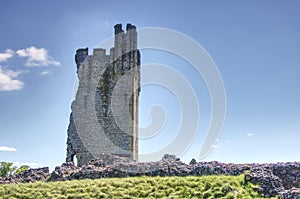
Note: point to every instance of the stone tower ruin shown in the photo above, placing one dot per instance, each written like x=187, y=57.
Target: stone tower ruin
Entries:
x=104, y=117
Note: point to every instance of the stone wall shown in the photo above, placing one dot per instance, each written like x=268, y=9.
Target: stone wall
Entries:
x=31, y=175
x=281, y=179
x=104, y=116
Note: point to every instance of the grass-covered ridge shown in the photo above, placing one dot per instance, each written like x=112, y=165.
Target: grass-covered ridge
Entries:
x=136, y=187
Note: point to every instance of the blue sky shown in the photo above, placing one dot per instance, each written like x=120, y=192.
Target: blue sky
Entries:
x=255, y=45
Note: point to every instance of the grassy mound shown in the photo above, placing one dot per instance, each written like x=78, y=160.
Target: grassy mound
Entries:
x=228, y=187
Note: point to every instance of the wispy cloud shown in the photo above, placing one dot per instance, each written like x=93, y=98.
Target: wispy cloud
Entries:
x=8, y=81
x=37, y=57
x=46, y=72
x=7, y=149
x=250, y=134
x=214, y=146
x=30, y=164
x=6, y=55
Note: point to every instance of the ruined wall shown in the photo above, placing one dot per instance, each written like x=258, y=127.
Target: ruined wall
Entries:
x=104, y=116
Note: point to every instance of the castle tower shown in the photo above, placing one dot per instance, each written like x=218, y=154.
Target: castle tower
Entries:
x=104, y=117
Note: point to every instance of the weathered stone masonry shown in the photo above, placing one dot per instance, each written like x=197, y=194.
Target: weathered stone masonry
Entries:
x=104, y=116
x=281, y=179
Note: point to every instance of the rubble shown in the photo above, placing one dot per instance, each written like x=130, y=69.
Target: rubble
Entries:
x=282, y=179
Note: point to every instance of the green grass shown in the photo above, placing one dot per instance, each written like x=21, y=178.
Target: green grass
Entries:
x=228, y=187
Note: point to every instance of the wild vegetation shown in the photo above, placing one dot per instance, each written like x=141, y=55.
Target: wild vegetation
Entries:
x=227, y=187
x=7, y=168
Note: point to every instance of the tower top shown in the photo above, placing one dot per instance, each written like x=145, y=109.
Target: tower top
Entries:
x=118, y=28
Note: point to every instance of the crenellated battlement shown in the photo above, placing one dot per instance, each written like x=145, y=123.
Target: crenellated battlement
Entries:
x=80, y=56
x=123, y=52
x=99, y=52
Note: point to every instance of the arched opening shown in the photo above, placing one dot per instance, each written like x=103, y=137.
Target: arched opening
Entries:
x=74, y=159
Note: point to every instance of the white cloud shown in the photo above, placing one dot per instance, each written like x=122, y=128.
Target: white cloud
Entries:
x=214, y=146
x=37, y=57
x=6, y=55
x=46, y=72
x=30, y=164
x=7, y=149
x=16, y=163
x=8, y=81
x=249, y=134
